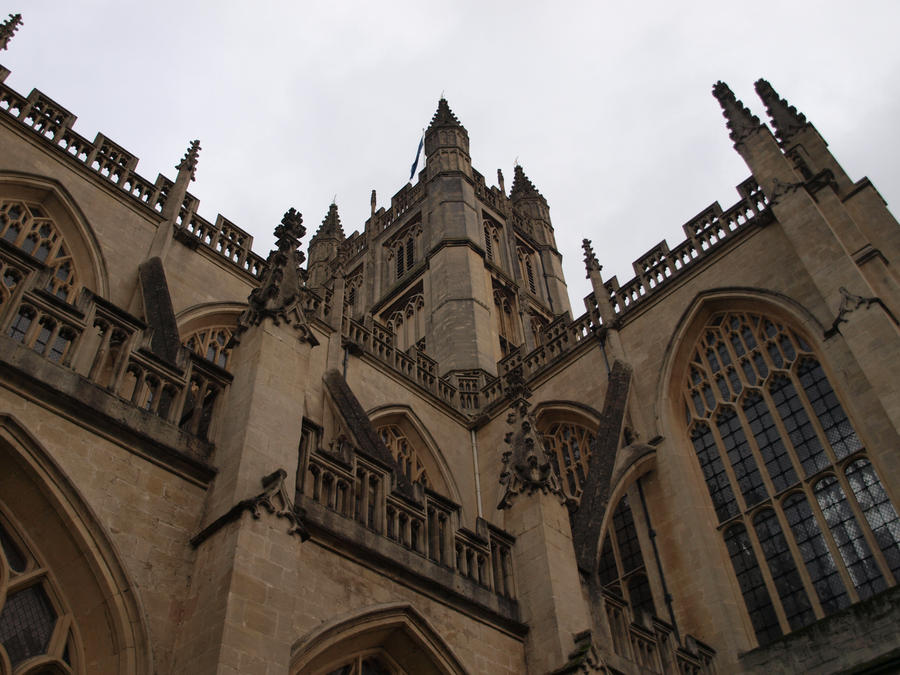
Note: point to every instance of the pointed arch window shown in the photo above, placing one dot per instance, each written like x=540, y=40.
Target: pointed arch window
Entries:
x=806, y=520
x=404, y=453
x=33, y=619
x=212, y=343
x=621, y=568
x=28, y=227
x=570, y=445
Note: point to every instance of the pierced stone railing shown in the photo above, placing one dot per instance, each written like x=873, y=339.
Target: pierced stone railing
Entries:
x=112, y=163
x=406, y=198
x=650, y=642
x=427, y=524
x=108, y=347
x=491, y=196
x=705, y=232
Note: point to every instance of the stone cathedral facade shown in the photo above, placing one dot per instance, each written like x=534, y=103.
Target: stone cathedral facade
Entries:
x=403, y=451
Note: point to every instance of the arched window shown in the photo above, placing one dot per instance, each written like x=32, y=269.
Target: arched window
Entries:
x=570, y=444
x=621, y=568
x=212, y=343
x=28, y=227
x=806, y=521
x=404, y=453
x=34, y=624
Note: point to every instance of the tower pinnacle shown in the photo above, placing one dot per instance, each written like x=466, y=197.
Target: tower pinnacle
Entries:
x=785, y=118
x=741, y=122
x=8, y=29
x=443, y=116
x=190, y=159
x=331, y=224
x=522, y=186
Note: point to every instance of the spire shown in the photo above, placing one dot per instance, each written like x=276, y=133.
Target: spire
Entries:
x=741, y=122
x=522, y=186
x=189, y=161
x=443, y=116
x=8, y=29
x=785, y=118
x=331, y=224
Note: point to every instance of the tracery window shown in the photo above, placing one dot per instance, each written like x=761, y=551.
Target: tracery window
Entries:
x=212, y=343
x=621, y=568
x=806, y=521
x=407, y=321
x=571, y=447
x=526, y=267
x=504, y=319
x=33, y=621
x=368, y=665
x=29, y=227
x=404, y=453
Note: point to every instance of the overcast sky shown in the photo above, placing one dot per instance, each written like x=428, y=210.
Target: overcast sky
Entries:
x=606, y=105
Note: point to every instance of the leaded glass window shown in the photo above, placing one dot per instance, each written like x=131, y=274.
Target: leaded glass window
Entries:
x=621, y=568
x=212, y=343
x=768, y=429
x=570, y=447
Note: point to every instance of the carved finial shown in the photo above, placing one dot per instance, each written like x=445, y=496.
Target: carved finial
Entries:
x=741, y=122
x=373, y=202
x=500, y=181
x=278, y=296
x=522, y=186
x=189, y=161
x=443, y=116
x=527, y=465
x=591, y=263
x=785, y=118
x=8, y=29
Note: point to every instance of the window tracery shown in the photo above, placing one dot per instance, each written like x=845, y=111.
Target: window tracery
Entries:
x=404, y=453
x=806, y=521
x=28, y=227
x=570, y=445
x=33, y=621
x=407, y=321
x=212, y=343
x=621, y=568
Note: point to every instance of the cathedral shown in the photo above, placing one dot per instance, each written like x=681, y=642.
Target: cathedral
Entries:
x=402, y=451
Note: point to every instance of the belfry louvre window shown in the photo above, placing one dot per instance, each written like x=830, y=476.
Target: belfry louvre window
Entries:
x=804, y=516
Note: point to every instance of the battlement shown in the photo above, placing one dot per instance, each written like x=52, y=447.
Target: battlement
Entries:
x=114, y=165
x=705, y=233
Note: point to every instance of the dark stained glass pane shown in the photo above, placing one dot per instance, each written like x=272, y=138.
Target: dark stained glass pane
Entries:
x=714, y=472
x=784, y=572
x=741, y=457
x=14, y=556
x=878, y=510
x=849, y=538
x=753, y=588
x=608, y=572
x=818, y=559
x=639, y=594
x=800, y=430
x=26, y=624
x=775, y=456
x=831, y=415
x=627, y=538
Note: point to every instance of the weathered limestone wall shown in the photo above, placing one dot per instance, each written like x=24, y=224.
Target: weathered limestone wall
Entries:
x=149, y=512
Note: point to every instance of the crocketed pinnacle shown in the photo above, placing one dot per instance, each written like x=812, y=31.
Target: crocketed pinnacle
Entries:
x=741, y=122
x=331, y=224
x=591, y=264
x=522, y=186
x=8, y=29
x=443, y=116
x=785, y=118
x=190, y=159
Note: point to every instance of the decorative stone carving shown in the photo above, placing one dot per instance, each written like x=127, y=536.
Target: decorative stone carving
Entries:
x=586, y=658
x=190, y=159
x=274, y=498
x=279, y=295
x=785, y=118
x=850, y=302
x=8, y=28
x=741, y=122
x=591, y=264
x=526, y=465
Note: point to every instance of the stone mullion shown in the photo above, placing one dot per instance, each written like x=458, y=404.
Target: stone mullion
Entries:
x=763, y=565
x=813, y=417
x=755, y=451
x=726, y=463
x=869, y=536
x=782, y=431
x=799, y=562
x=829, y=540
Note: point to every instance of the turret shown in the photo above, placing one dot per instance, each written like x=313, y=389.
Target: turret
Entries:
x=446, y=144
x=323, y=247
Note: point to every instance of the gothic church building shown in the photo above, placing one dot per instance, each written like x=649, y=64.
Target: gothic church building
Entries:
x=404, y=452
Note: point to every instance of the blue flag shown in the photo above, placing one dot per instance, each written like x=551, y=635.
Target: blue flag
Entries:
x=415, y=165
